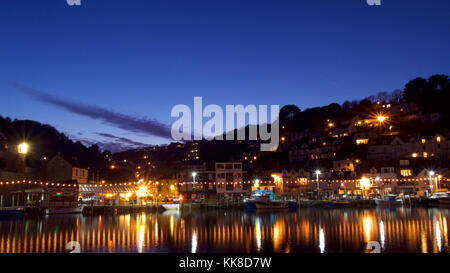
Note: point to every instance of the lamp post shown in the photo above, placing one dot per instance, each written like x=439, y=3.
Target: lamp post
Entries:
x=431, y=174
x=318, y=172
x=194, y=174
x=23, y=151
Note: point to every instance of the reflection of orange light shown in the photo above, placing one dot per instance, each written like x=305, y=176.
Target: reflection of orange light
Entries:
x=367, y=224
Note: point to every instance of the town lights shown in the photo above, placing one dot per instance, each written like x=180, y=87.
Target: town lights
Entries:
x=194, y=174
x=256, y=183
x=318, y=172
x=381, y=118
x=142, y=191
x=23, y=148
x=431, y=174
x=364, y=183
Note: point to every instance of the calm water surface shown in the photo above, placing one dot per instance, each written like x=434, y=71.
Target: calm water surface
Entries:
x=306, y=230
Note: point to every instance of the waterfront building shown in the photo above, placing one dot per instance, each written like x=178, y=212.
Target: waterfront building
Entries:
x=65, y=169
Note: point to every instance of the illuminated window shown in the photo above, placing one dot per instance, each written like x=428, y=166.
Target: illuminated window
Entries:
x=425, y=154
x=414, y=155
x=405, y=172
x=423, y=140
x=362, y=141
x=438, y=139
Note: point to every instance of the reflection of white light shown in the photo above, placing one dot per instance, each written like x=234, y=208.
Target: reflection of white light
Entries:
x=321, y=241
x=141, y=238
x=258, y=234
x=438, y=236
x=194, y=242
x=382, y=238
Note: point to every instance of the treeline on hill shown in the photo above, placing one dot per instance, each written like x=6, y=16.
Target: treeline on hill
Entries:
x=431, y=94
x=46, y=141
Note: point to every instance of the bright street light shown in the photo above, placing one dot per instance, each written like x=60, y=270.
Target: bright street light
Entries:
x=256, y=183
x=23, y=148
x=317, y=181
x=381, y=118
x=194, y=174
x=431, y=174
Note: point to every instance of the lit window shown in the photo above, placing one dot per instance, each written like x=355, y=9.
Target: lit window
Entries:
x=414, y=155
x=423, y=140
x=362, y=141
x=438, y=139
x=405, y=172
x=425, y=154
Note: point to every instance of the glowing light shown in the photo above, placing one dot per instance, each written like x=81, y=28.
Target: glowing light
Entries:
x=23, y=148
x=194, y=242
x=364, y=183
x=256, y=183
x=321, y=241
x=438, y=236
x=142, y=191
x=381, y=118
x=318, y=172
x=382, y=236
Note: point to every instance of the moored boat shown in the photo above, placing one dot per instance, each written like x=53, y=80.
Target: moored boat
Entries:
x=174, y=206
x=70, y=210
x=11, y=211
x=389, y=200
x=264, y=202
x=441, y=198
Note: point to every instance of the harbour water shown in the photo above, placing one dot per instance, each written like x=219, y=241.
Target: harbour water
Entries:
x=303, y=231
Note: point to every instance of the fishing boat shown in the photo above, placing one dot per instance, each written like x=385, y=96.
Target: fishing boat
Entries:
x=70, y=210
x=441, y=198
x=173, y=206
x=389, y=200
x=264, y=202
x=11, y=211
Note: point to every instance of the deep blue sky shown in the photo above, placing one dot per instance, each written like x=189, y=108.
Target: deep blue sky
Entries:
x=140, y=58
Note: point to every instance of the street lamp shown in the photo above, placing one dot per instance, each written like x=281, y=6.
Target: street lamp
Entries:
x=23, y=148
x=381, y=118
x=318, y=172
x=194, y=174
x=256, y=185
x=431, y=174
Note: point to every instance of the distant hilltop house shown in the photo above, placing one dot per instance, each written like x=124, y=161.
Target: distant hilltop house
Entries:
x=64, y=169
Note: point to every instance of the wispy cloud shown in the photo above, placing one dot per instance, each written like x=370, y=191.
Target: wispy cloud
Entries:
x=129, y=123
x=122, y=140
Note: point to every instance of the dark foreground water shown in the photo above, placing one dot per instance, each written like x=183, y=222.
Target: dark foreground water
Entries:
x=306, y=230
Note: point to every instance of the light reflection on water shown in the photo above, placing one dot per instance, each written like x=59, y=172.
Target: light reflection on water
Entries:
x=307, y=230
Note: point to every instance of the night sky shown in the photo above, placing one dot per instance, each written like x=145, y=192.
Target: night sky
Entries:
x=110, y=71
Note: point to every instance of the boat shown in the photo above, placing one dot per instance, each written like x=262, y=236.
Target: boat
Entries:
x=70, y=210
x=11, y=211
x=264, y=202
x=440, y=198
x=174, y=206
x=389, y=200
